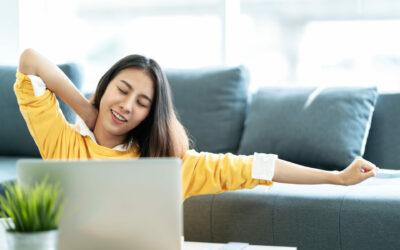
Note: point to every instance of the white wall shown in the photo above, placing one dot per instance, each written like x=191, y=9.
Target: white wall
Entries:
x=9, y=32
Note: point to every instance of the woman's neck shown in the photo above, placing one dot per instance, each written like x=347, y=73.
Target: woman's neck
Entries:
x=105, y=139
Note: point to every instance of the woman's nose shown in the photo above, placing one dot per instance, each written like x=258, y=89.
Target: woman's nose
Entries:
x=127, y=104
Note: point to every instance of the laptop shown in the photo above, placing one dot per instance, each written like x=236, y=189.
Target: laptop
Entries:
x=114, y=204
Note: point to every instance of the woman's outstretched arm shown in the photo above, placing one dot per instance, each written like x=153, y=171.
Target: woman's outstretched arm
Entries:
x=33, y=63
x=356, y=172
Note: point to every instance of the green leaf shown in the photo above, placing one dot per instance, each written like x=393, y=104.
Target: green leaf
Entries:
x=31, y=209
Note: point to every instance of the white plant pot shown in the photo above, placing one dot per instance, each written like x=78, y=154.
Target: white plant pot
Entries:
x=46, y=240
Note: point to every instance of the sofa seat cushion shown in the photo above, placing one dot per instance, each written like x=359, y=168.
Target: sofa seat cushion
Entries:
x=318, y=127
x=362, y=216
x=8, y=170
x=211, y=104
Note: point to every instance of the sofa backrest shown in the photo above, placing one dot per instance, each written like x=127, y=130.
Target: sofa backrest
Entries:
x=211, y=104
x=15, y=139
x=383, y=144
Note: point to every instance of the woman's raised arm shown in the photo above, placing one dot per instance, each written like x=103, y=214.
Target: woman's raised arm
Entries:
x=33, y=63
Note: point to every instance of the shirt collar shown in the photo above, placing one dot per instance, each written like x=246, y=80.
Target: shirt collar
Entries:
x=82, y=128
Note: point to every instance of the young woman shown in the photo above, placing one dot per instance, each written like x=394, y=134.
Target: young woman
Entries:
x=132, y=116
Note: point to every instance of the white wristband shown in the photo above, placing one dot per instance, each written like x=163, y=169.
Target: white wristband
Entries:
x=263, y=166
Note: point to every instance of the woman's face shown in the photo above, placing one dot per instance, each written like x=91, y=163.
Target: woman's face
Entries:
x=126, y=103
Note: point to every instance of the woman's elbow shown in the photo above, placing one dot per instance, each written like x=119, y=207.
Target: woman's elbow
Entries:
x=26, y=64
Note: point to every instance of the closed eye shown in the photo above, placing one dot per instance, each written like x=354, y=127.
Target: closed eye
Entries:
x=122, y=91
x=142, y=105
x=126, y=92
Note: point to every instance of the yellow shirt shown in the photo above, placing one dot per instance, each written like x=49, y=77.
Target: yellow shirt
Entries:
x=202, y=173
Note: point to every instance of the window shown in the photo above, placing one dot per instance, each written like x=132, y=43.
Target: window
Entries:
x=96, y=34
x=350, y=53
x=281, y=42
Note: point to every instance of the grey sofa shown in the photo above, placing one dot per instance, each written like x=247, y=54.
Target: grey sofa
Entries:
x=221, y=116
x=15, y=140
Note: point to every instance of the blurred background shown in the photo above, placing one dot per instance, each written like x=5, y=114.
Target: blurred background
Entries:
x=281, y=42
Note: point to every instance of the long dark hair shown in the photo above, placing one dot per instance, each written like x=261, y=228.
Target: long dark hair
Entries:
x=160, y=134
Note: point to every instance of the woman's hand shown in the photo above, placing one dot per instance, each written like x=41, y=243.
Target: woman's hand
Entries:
x=358, y=171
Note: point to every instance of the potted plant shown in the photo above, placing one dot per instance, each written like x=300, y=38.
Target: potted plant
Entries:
x=34, y=215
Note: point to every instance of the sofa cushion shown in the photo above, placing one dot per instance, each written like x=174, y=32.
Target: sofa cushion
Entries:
x=383, y=144
x=318, y=127
x=8, y=171
x=211, y=104
x=313, y=217
x=14, y=134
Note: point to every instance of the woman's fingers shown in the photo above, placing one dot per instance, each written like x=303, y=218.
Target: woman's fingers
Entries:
x=368, y=168
x=371, y=173
x=358, y=171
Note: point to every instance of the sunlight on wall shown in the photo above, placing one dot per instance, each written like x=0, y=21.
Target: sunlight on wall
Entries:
x=350, y=52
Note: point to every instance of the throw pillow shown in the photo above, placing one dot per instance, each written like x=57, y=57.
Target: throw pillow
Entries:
x=211, y=104
x=318, y=127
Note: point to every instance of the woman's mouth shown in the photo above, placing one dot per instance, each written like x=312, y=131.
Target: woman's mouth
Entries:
x=117, y=118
